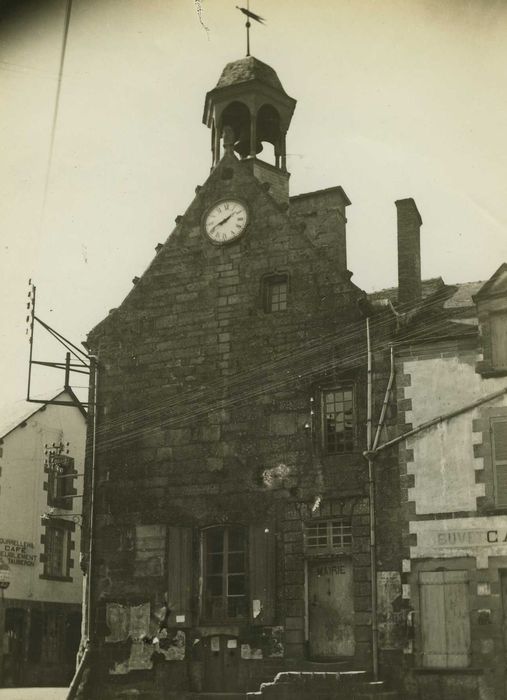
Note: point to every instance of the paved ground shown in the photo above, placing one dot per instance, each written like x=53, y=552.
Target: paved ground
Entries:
x=33, y=693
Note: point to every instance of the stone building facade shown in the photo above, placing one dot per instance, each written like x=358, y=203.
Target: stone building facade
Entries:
x=230, y=516
x=41, y=470
x=451, y=369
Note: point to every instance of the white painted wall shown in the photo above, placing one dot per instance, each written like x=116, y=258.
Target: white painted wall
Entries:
x=444, y=464
x=23, y=500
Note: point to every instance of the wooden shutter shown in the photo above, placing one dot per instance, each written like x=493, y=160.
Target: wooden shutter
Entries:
x=150, y=549
x=499, y=434
x=498, y=324
x=445, y=620
x=179, y=566
x=262, y=573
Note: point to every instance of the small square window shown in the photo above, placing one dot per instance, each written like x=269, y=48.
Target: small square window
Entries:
x=276, y=290
x=328, y=536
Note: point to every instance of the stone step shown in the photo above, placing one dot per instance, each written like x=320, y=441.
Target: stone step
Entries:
x=321, y=685
x=189, y=695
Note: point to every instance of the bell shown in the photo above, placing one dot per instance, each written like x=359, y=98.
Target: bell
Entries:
x=242, y=145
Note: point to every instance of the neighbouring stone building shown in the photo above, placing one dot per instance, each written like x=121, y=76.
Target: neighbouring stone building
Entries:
x=231, y=515
x=451, y=370
x=41, y=468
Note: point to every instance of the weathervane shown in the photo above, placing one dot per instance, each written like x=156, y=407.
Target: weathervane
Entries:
x=249, y=15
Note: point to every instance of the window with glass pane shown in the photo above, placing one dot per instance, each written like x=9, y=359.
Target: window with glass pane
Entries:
x=328, y=535
x=275, y=293
x=338, y=420
x=55, y=551
x=60, y=481
x=225, y=573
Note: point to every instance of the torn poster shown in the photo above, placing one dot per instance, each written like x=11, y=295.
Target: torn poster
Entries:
x=117, y=621
x=139, y=621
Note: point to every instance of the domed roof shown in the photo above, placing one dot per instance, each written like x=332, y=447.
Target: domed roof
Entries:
x=249, y=68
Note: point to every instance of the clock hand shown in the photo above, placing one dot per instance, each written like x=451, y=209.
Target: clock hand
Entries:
x=221, y=222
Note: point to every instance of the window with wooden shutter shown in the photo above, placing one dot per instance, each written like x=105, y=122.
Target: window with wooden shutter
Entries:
x=179, y=569
x=150, y=546
x=225, y=574
x=498, y=329
x=262, y=574
x=445, y=619
x=499, y=445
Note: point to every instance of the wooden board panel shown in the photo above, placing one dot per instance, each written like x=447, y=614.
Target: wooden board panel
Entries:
x=331, y=608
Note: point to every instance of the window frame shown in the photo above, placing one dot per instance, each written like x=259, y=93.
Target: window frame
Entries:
x=492, y=317
x=329, y=548
x=64, y=571
x=344, y=386
x=224, y=617
x=494, y=420
x=268, y=283
x=61, y=483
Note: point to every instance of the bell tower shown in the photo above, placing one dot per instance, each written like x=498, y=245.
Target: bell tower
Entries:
x=249, y=98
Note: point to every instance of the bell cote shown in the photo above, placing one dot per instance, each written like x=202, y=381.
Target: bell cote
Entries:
x=250, y=100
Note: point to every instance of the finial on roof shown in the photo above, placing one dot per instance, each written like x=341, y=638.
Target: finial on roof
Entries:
x=249, y=15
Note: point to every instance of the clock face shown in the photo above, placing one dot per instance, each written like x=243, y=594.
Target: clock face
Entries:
x=226, y=221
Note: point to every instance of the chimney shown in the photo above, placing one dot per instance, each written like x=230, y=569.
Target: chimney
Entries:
x=409, y=252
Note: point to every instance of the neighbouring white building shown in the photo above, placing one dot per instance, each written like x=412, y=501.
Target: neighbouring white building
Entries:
x=41, y=466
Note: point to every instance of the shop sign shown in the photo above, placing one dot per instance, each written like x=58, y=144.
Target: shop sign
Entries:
x=470, y=538
x=17, y=552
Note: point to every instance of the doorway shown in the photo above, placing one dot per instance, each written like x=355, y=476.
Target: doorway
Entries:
x=13, y=657
x=503, y=589
x=330, y=608
x=221, y=664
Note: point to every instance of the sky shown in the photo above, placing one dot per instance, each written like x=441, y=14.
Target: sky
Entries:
x=395, y=98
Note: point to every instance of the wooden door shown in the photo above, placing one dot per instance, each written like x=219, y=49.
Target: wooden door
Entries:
x=330, y=608
x=221, y=664
x=445, y=619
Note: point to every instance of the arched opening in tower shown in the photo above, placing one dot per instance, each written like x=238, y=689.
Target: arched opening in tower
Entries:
x=237, y=116
x=269, y=132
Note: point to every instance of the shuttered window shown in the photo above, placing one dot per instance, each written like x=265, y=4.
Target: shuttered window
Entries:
x=499, y=340
x=150, y=546
x=499, y=440
x=445, y=619
x=225, y=574
x=237, y=574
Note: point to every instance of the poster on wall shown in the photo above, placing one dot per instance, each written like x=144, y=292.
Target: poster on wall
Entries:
x=391, y=614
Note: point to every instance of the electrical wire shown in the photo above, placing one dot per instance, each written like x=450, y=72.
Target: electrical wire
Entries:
x=126, y=417
x=145, y=422
x=315, y=346
x=66, y=24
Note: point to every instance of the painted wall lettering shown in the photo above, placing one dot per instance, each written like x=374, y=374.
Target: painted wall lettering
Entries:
x=17, y=552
